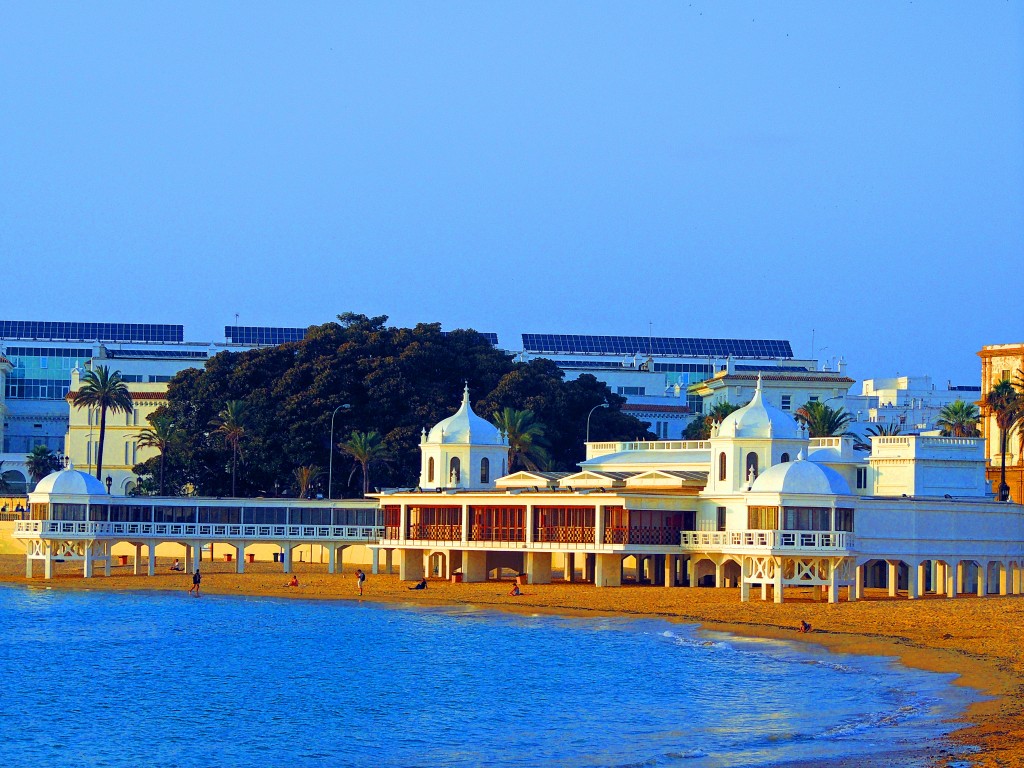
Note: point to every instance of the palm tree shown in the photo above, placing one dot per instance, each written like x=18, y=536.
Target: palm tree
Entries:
x=1007, y=405
x=159, y=434
x=40, y=462
x=304, y=477
x=104, y=390
x=525, y=438
x=365, y=448
x=824, y=421
x=958, y=419
x=231, y=423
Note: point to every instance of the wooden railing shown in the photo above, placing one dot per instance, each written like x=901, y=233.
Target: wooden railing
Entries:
x=435, y=532
x=639, y=535
x=565, y=534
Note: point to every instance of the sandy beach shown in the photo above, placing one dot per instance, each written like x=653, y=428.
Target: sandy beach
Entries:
x=980, y=639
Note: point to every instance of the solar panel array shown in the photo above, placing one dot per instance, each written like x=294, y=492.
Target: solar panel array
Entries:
x=261, y=336
x=174, y=354
x=550, y=343
x=771, y=368
x=58, y=331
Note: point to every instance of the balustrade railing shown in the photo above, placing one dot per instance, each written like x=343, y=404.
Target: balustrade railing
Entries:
x=767, y=539
x=639, y=535
x=76, y=528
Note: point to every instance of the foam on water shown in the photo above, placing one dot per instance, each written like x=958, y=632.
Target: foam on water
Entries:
x=99, y=679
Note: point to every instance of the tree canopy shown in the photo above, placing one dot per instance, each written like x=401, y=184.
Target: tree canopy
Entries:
x=396, y=381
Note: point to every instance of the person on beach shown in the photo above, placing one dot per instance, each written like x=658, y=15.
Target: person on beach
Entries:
x=804, y=626
x=421, y=584
x=196, y=579
x=515, y=591
x=294, y=582
x=360, y=578
x=177, y=566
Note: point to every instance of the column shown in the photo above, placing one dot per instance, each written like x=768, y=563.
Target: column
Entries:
x=960, y=576
x=375, y=568
x=608, y=570
x=107, y=557
x=599, y=518
x=138, y=558
x=389, y=560
x=28, y=563
x=719, y=575
x=892, y=576
x=764, y=591
x=48, y=561
x=569, y=567
x=151, y=547
x=464, y=538
x=87, y=563
x=538, y=568
x=1004, y=578
x=778, y=581
x=833, y=580
x=528, y=522
x=670, y=570
x=188, y=558
x=744, y=589
x=403, y=524
x=287, y=556
x=951, y=579
x=474, y=566
x=982, y=578
x=1015, y=577
x=916, y=587
x=410, y=564
x=691, y=571
x=240, y=557
x=858, y=583
x=939, y=582
x=332, y=553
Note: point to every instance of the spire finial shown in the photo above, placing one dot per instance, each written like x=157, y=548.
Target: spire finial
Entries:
x=465, y=392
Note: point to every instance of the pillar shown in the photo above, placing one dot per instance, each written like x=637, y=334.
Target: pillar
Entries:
x=287, y=546
x=608, y=570
x=982, y=578
x=151, y=548
x=892, y=576
x=670, y=570
x=332, y=554
x=1004, y=578
x=240, y=557
x=951, y=579
x=474, y=566
x=28, y=564
x=939, y=582
x=188, y=558
x=959, y=586
x=915, y=588
x=107, y=557
x=764, y=591
x=48, y=562
x=410, y=564
x=87, y=563
x=719, y=575
x=569, y=567
x=833, y=581
x=778, y=581
x=403, y=524
x=375, y=568
x=528, y=522
x=538, y=567
x=464, y=538
x=691, y=572
x=858, y=583
x=138, y=559
x=935, y=577
x=599, y=518
x=588, y=567
x=389, y=560
x=744, y=589
x=1015, y=577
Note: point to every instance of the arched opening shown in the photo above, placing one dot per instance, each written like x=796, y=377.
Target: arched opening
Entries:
x=430, y=469
x=784, y=458
x=454, y=471
x=721, y=466
x=750, y=472
x=485, y=471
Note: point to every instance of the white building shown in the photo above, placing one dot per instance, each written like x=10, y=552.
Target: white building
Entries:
x=912, y=403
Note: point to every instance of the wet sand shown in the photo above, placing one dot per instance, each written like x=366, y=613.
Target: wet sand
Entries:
x=981, y=639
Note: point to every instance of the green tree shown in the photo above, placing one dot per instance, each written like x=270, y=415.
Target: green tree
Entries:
x=700, y=428
x=304, y=478
x=824, y=421
x=1006, y=404
x=231, y=424
x=105, y=391
x=40, y=462
x=525, y=439
x=159, y=434
x=958, y=419
x=365, y=448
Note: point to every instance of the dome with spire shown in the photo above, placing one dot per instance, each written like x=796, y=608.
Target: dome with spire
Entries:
x=70, y=482
x=465, y=427
x=801, y=476
x=759, y=420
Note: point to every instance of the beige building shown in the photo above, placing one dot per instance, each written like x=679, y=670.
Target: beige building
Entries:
x=999, y=362
x=121, y=451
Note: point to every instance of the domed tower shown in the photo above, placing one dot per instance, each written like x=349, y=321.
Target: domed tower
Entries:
x=749, y=441
x=463, y=451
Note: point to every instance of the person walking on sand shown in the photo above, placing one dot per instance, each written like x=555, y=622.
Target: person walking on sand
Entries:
x=197, y=577
x=360, y=579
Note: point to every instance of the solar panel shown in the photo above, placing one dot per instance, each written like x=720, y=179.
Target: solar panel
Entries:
x=549, y=343
x=161, y=353
x=69, y=331
x=262, y=336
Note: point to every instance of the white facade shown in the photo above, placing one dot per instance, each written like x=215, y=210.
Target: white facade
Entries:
x=463, y=451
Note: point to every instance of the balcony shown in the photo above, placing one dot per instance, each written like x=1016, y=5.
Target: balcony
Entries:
x=815, y=541
x=76, y=529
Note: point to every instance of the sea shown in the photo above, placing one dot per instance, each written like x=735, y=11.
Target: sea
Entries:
x=95, y=678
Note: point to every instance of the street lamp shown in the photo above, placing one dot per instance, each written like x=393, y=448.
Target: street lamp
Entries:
x=599, y=405
x=330, y=461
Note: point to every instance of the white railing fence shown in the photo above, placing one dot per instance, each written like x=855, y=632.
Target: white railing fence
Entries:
x=174, y=531
x=767, y=539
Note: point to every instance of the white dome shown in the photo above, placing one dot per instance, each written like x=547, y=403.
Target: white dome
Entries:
x=757, y=419
x=801, y=477
x=465, y=427
x=71, y=482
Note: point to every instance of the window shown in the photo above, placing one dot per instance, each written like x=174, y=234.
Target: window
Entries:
x=787, y=402
x=807, y=518
x=43, y=362
x=661, y=429
x=721, y=466
x=721, y=519
x=632, y=390
x=751, y=471
x=784, y=459
x=455, y=471
x=862, y=477
x=485, y=470
x=762, y=518
x=812, y=399
x=844, y=520
x=430, y=469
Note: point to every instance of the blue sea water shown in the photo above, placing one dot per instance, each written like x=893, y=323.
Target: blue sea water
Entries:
x=114, y=679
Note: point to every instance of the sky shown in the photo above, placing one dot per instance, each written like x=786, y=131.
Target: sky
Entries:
x=851, y=174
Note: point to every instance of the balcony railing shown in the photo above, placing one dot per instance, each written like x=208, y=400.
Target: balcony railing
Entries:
x=814, y=540
x=176, y=531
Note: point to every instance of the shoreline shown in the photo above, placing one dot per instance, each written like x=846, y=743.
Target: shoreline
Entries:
x=978, y=639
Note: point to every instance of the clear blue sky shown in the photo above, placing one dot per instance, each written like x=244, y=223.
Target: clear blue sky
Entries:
x=714, y=169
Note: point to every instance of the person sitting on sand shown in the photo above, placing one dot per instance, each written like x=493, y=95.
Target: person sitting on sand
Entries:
x=515, y=591
x=804, y=626
x=421, y=584
x=294, y=582
x=177, y=566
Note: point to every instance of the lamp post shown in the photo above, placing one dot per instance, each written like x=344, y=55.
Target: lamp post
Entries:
x=599, y=405
x=330, y=461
